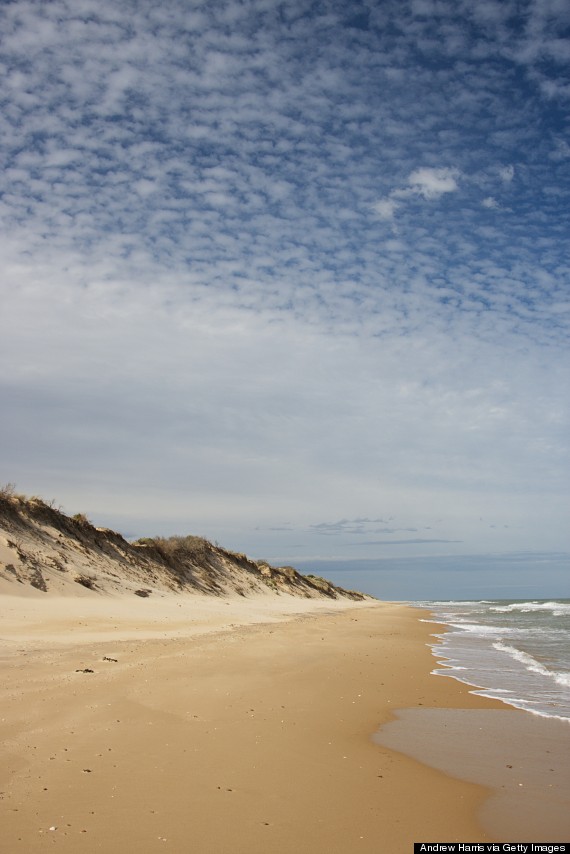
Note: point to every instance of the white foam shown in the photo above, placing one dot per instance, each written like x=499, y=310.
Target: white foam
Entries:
x=558, y=609
x=488, y=657
x=479, y=629
x=532, y=664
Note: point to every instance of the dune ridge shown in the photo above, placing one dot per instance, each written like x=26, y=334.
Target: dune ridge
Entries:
x=44, y=550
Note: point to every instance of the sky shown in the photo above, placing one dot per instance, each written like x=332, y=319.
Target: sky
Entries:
x=295, y=277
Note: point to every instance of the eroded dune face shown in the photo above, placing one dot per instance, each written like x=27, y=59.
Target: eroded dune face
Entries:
x=44, y=550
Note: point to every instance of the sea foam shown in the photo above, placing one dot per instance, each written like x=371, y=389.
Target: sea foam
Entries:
x=516, y=651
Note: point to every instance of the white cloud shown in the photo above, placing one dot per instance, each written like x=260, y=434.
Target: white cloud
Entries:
x=386, y=208
x=507, y=173
x=428, y=183
x=433, y=183
x=208, y=309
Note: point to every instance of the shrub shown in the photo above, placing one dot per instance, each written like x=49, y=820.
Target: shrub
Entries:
x=86, y=581
x=188, y=548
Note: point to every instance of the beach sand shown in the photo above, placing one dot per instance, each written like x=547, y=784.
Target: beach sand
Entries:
x=220, y=726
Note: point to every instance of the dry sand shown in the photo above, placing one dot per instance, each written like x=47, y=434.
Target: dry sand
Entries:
x=219, y=727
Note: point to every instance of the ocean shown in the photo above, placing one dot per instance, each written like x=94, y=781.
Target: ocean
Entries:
x=514, y=651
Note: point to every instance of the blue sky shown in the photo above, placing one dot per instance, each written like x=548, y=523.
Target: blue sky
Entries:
x=294, y=277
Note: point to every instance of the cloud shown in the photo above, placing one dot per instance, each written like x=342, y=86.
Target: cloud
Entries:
x=405, y=542
x=253, y=269
x=427, y=183
x=386, y=208
x=356, y=526
x=507, y=173
x=561, y=150
x=433, y=183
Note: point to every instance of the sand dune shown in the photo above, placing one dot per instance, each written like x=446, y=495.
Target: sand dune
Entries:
x=44, y=549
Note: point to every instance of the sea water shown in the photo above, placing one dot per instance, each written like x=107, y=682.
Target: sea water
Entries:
x=515, y=651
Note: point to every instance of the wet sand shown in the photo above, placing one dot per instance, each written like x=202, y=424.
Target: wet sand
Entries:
x=523, y=757
x=221, y=727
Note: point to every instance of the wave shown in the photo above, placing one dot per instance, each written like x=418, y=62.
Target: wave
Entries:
x=558, y=609
x=451, y=602
x=452, y=606
x=480, y=629
x=560, y=677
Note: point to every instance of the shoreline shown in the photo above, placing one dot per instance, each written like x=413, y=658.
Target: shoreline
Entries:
x=515, y=651
x=522, y=757
x=224, y=737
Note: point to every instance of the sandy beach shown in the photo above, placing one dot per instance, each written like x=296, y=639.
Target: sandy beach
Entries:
x=221, y=725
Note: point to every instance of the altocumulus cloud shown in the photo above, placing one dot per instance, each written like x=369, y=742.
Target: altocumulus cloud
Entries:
x=269, y=262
